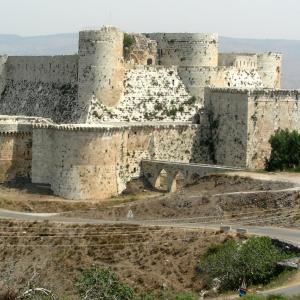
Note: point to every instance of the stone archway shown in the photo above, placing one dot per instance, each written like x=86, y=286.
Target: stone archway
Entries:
x=161, y=181
x=177, y=181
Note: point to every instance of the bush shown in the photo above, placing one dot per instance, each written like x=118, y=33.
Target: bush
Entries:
x=285, y=154
x=129, y=41
x=256, y=260
x=103, y=284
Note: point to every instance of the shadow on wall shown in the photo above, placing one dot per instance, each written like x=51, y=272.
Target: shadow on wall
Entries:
x=15, y=157
x=203, y=146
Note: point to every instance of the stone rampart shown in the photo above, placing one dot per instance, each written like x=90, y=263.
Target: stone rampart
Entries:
x=241, y=61
x=48, y=69
x=270, y=69
x=3, y=60
x=101, y=68
x=267, y=112
x=152, y=93
x=88, y=162
x=241, y=123
x=16, y=147
x=41, y=86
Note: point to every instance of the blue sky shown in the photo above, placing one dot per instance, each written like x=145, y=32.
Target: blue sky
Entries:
x=236, y=18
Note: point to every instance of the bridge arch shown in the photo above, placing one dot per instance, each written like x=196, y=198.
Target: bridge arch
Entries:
x=161, y=180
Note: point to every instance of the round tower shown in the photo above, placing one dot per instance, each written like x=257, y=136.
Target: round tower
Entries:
x=101, y=68
x=269, y=66
x=195, y=55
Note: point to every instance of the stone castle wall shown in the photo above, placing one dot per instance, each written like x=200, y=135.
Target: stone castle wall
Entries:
x=267, y=112
x=151, y=93
x=16, y=147
x=241, y=123
x=101, y=67
x=191, y=52
x=241, y=61
x=270, y=69
x=3, y=60
x=41, y=86
x=96, y=162
x=226, y=112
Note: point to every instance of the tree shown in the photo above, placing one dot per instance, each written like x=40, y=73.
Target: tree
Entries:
x=285, y=153
x=256, y=260
x=103, y=284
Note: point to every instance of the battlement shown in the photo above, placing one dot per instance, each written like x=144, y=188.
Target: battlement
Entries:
x=253, y=92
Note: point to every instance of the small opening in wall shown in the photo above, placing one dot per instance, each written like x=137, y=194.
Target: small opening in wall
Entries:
x=149, y=61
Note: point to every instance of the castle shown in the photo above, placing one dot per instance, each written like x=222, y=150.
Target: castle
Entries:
x=83, y=123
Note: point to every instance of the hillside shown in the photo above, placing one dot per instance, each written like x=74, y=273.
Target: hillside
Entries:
x=67, y=44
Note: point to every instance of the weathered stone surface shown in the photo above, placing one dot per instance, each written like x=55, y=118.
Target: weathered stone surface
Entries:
x=88, y=162
x=241, y=123
x=151, y=94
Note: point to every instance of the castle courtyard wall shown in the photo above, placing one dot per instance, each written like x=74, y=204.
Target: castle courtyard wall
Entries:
x=83, y=162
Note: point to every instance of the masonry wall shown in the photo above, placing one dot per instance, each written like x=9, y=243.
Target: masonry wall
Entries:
x=101, y=67
x=16, y=147
x=151, y=93
x=270, y=69
x=15, y=156
x=97, y=162
x=241, y=61
x=3, y=60
x=268, y=111
x=226, y=113
x=41, y=86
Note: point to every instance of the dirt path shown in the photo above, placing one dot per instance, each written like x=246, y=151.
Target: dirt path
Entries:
x=270, y=176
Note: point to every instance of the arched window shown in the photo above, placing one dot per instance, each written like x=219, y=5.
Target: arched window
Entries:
x=149, y=61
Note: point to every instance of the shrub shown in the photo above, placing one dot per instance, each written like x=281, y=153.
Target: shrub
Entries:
x=256, y=260
x=103, y=284
x=285, y=153
x=129, y=41
x=191, y=100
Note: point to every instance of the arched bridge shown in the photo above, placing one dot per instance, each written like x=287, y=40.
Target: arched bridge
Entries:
x=166, y=175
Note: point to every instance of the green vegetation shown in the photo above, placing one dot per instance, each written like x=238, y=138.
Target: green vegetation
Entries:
x=191, y=100
x=285, y=154
x=255, y=259
x=103, y=284
x=129, y=41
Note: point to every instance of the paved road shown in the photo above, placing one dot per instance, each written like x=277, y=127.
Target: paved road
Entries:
x=284, y=234
x=290, y=291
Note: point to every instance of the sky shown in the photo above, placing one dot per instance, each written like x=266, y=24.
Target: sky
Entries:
x=234, y=18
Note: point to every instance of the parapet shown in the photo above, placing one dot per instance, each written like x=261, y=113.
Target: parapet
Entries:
x=113, y=127
x=186, y=49
x=20, y=124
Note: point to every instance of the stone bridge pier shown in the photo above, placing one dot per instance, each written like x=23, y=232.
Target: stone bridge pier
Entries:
x=169, y=174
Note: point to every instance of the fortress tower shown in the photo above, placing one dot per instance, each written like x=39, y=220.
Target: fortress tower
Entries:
x=195, y=55
x=101, y=67
x=269, y=68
